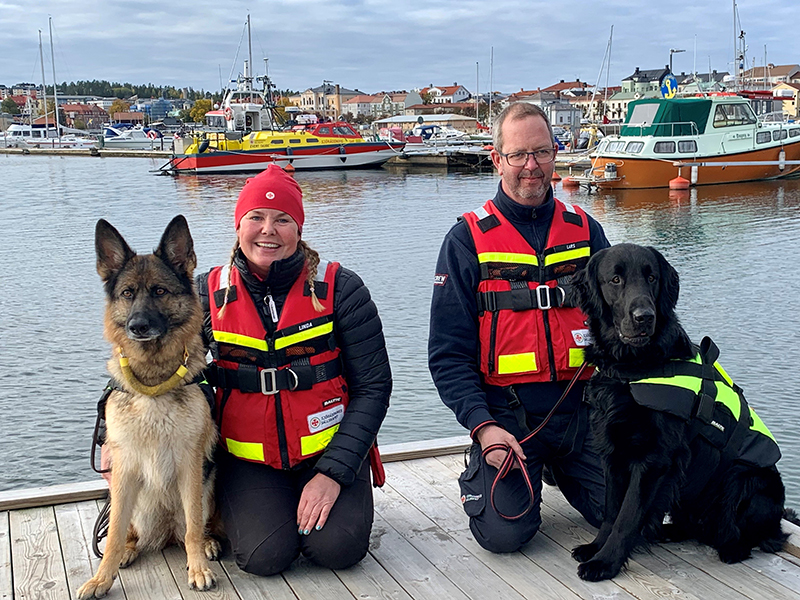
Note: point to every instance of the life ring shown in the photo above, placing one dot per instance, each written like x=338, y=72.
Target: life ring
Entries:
x=228, y=112
x=152, y=134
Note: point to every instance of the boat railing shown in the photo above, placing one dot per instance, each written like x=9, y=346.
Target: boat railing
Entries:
x=671, y=129
x=775, y=117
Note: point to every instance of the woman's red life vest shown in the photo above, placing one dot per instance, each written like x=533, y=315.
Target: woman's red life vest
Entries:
x=526, y=334
x=280, y=398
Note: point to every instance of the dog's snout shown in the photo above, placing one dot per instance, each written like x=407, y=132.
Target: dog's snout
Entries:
x=643, y=315
x=138, y=325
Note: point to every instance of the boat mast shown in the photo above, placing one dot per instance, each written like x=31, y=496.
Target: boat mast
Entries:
x=44, y=86
x=477, y=85
x=491, y=84
x=735, y=47
x=55, y=93
x=249, y=55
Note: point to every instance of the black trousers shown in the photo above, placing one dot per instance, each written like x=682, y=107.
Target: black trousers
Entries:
x=259, y=511
x=565, y=445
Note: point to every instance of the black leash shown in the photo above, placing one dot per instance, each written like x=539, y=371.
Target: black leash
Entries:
x=512, y=459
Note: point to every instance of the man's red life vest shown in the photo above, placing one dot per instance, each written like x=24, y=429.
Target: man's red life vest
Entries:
x=280, y=398
x=526, y=335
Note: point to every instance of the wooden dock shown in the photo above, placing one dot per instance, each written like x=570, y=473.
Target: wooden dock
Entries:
x=421, y=549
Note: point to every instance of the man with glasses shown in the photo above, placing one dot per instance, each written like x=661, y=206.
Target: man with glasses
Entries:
x=505, y=343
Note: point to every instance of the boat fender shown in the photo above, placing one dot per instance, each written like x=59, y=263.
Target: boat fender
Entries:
x=782, y=160
x=228, y=112
x=610, y=171
x=202, y=147
x=694, y=174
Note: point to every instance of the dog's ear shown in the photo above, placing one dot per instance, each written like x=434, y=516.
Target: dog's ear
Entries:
x=585, y=292
x=112, y=250
x=670, y=283
x=177, y=248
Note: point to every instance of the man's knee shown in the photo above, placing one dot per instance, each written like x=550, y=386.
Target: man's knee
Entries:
x=505, y=537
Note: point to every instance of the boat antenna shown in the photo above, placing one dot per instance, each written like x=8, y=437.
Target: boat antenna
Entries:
x=608, y=71
x=44, y=87
x=477, y=85
x=249, y=51
x=491, y=84
x=55, y=92
x=606, y=55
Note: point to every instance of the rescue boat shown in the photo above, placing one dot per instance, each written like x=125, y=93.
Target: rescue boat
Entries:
x=705, y=140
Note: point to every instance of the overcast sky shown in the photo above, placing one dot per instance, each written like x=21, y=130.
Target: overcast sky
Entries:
x=375, y=45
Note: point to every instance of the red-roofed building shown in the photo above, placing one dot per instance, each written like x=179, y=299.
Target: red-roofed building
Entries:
x=447, y=93
x=134, y=118
x=568, y=88
x=358, y=105
x=92, y=116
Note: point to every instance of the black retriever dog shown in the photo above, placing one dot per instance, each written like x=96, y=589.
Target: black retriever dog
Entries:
x=684, y=456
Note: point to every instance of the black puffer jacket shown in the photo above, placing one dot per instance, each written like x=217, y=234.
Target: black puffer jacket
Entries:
x=359, y=334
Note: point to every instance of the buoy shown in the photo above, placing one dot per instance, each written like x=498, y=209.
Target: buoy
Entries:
x=556, y=176
x=679, y=195
x=569, y=183
x=488, y=147
x=289, y=169
x=679, y=183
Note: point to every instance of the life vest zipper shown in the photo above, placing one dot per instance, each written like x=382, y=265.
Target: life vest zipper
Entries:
x=270, y=302
x=492, y=341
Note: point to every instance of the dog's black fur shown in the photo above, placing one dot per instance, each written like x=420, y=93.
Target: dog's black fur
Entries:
x=629, y=294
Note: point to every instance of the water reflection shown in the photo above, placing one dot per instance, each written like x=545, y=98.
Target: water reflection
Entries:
x=735, y=248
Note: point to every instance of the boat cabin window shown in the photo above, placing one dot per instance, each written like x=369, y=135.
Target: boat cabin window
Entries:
x=762, y=137
x=689, y=146
x=215, y=121
x=294, y=141
x=643, y=114
x=278, y=142
x=634, y=147
x=343, y=131
x=780, y=134
x=664, y=147
x=324, y=131
x=615, y=146
x=794, y=132
x=312, y=140
x=731, y=115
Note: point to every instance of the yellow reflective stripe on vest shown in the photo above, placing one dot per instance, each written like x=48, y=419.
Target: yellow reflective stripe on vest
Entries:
x=758, y=425
x=508, y=257
x=558, y=257
x=240, y=340
x=683, y=381
x=302, y=336
x=729, y=398
x=722, y=372
x=508, y=364
x=248, y=450
x=311, y=444
x=575, y=357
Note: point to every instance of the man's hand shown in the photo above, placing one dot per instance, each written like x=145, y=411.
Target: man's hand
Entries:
x=493, y=434
x=316, y=502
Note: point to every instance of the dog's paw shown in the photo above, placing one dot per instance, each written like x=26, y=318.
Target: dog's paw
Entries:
x=733, y=553
x=128, y=557
x=201, y=578
x=597, y=570
x=212, y=548
x=96, y=587
x=584, y=552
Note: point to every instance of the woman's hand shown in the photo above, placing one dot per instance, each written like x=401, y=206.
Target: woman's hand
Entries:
x=316, y=502
x=491, y=435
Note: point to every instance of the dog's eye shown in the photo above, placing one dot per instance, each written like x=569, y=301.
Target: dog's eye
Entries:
x=159, y=291
x=652, y=279
x=616, y=280
x=128, y=293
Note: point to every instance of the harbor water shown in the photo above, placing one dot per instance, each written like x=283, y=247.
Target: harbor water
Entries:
x=736, y=248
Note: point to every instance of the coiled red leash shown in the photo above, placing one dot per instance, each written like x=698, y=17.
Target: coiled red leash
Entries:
x=512, y=459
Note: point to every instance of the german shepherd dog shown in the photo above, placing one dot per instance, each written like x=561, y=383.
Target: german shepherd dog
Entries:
x=159, y=429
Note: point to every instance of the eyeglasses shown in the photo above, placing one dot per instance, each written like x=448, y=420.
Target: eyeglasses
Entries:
x=518, y=159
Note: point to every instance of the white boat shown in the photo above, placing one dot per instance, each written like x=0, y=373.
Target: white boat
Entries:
x=27, y=136
x=137, y=138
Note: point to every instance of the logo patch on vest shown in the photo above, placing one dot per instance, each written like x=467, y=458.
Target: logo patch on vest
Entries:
x=582, y=337
x=439, y=279
x=326, y=418
x=332, y=401
x=470, y=498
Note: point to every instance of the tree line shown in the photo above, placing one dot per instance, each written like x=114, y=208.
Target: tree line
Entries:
x=108, y=89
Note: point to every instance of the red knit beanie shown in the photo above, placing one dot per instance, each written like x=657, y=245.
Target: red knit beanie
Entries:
x=272, y=188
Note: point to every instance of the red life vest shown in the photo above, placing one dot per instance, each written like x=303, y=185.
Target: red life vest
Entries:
x=280, y=398
x=525, y=333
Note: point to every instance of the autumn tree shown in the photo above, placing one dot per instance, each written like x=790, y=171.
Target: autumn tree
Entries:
x=118, y=106
x=9, y=106
x=199, y=110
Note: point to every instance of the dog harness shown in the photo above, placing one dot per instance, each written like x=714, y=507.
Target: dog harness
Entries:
x=700, y=392
x=280, y=397
x=527, y=331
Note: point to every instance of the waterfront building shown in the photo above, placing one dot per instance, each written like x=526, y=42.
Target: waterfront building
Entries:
x=408, y=122
x=765, y=77
x=446, y=94
x=91, y=116
x=789, y=92
x=326, y=99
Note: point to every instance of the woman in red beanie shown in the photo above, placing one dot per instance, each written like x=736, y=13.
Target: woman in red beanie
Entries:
x=302, y=385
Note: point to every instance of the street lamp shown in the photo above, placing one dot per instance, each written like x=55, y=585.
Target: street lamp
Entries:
x=671, y=52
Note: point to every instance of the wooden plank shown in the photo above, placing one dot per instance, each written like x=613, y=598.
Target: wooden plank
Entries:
x=176, y=560
x=36, y=558
x=793, y=543
x=368, y=580
x=6, y=576
x=557, y=567
x=253, y=587
x=408, y=566
x=309, y=582
x=75, y=522
x=54, y=494
x=472, y=576
x=94, y=489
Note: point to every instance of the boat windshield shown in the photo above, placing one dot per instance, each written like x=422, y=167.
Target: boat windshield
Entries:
x=643, y=114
